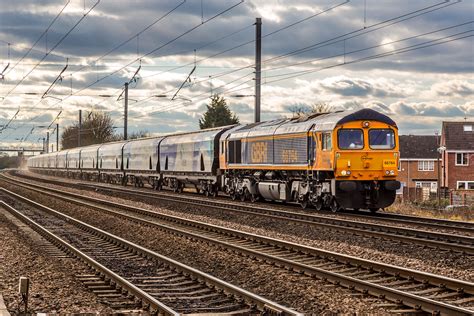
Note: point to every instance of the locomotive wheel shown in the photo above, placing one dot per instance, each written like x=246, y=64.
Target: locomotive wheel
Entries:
x=334, y=206
x=373, y=210
x=243, y=196
x=214, y=193
x=233, y=196
x=318, y=205
x=180, y=189
x=207, y=193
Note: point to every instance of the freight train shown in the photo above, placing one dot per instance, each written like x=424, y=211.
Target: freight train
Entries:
x=340, y=160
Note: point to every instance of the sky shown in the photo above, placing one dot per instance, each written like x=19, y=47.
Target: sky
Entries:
x=412, y=60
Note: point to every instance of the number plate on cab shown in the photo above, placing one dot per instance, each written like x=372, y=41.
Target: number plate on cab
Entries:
x=389, y=164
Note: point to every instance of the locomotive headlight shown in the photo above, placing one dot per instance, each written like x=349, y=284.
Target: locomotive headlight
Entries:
x=343, y=172
x=387, y=172
x=348, y=172
x=392, y=172
x=365, y=124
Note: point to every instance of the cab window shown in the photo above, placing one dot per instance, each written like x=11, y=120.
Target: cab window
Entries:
x=326, y=141
x=350, y=139
x=381, y=139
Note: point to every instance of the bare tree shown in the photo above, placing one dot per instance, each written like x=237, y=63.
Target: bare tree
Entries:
x=139, y=134
x=316, y=108
x=96, y=128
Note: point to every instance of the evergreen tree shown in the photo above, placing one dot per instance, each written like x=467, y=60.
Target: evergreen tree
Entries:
x=217, y=114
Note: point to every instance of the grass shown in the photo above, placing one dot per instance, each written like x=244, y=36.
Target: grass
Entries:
x=429, y=209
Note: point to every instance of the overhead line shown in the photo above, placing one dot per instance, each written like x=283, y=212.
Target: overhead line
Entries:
x=366, y=30
x=367, y=48
x=390, y=53
x=134, y=36
x=41, y=36
x=251, y=41
x=145, y=55
x=53, y=48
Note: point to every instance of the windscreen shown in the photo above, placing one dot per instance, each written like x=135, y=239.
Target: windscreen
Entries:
x=350, y=139
x=381, y=139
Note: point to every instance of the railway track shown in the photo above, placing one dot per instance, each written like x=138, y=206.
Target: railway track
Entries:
x=161, y=284
x=414, y=289
x=437, y=240
x=435, y=223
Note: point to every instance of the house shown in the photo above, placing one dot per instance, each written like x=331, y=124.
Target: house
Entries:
x=419, y=160
x=457, y=145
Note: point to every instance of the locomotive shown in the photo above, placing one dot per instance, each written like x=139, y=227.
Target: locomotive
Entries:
x=339, y=160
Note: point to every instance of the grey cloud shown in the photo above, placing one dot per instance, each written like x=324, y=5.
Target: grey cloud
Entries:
x=457, y=88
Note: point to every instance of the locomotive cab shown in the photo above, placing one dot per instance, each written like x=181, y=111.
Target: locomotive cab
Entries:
x=366, y=160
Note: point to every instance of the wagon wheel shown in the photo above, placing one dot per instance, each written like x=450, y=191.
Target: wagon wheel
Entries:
x=180, y=188
x=215, y=192
x=207, y=193
x=253, y=198
x=244, y=195
x=304, y=203
x=233, y=196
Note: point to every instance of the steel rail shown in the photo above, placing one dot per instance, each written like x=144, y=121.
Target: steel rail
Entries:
x=450, y=242
x=261, y=303
x=137, y=292
x=408, y=299
x=387, y=217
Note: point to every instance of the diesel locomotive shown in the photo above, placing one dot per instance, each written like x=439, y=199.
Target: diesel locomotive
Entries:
x=340, y=160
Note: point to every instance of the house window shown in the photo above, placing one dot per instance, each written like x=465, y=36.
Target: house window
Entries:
x=465, y=185
x=468, y=128
x=425, y=165
x=431, y=185
x=462, y=159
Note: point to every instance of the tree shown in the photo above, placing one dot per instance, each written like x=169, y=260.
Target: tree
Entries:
x=217, y=114
x=96, y=128
x=319, y=107
x=139, y=134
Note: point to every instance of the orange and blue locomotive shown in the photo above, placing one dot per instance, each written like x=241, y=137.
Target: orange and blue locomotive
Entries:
x=336, y=160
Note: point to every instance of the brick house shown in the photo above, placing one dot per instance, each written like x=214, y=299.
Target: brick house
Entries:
x=419, y=159
x=457, y=140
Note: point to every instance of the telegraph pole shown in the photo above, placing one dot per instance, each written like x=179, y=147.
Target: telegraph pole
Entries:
x=79, y=130
x=258, y=66
x=47, y=142
x=57, y=136
x=125, y=113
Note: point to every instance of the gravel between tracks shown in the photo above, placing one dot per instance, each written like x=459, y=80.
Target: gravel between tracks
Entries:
x=453, y=265
x=53, y=287
x=302, y=293
x=276, y=206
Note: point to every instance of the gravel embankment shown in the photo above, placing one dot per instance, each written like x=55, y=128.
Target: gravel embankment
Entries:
x=53, y=287
x=301, y=293
x=413, y=256
x=276, y=206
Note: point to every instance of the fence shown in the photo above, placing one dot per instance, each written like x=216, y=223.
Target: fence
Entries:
x=425, y=195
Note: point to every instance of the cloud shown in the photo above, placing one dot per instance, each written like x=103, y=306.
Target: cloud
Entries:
x=454, y=88
x=361, y=88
